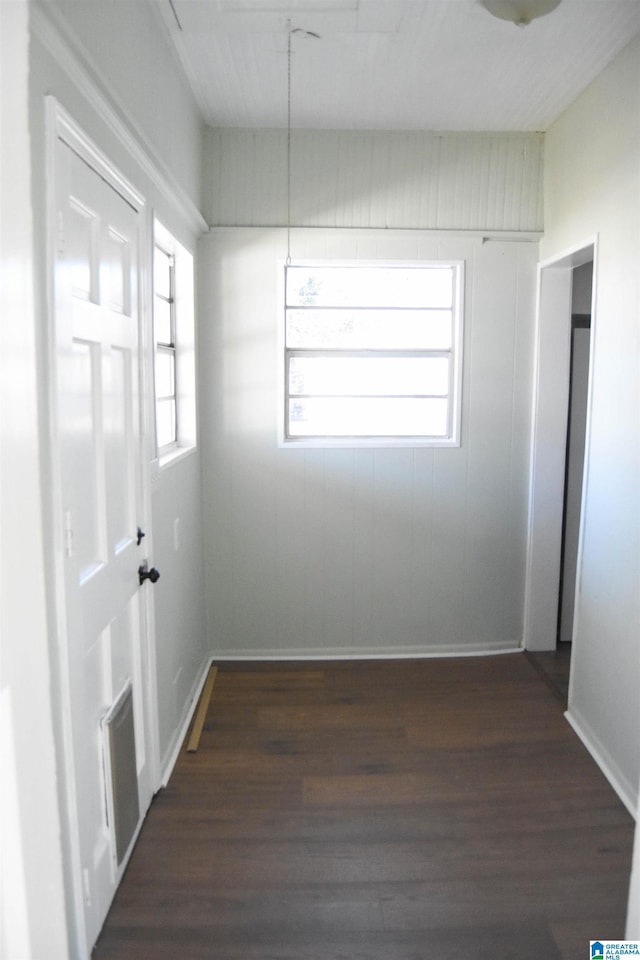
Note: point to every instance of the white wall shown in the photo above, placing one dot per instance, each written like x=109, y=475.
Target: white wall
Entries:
x=366, y=551
x=410, y=179
x=31, y=867
x=632, y=931
x=181, y=630
x=369, y=551
x=592, y=186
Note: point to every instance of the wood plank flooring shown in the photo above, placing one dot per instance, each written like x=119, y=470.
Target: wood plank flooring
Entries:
x=554, y=667
x=398, y=810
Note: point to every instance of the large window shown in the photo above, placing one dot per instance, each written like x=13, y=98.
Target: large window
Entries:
x=372, y=353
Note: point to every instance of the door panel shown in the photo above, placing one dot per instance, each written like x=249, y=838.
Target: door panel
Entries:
x=82, y=384
x=98, y=430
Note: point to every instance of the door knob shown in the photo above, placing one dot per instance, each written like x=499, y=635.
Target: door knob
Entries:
x=145, y=574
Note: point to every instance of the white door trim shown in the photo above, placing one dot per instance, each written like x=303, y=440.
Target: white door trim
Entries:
x=65, y=128
x=60, y=126
x=49, y=26
x=548, y=442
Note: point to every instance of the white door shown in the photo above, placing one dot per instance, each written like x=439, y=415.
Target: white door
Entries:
x=98, y=433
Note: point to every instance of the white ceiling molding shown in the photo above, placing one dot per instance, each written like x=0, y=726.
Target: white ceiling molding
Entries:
x=51, y=30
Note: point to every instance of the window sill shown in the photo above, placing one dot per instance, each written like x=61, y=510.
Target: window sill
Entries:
x=360, y=442
x=171, y=457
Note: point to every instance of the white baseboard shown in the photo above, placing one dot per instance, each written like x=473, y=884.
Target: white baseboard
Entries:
x=626, y=792
x=183, y=729
x=363, y=653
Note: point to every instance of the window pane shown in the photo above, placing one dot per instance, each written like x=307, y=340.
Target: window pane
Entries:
x=370, y=329
x=165, y=373
x=162, y=321
x=367, y=417
x=370, y=286
x=384, y=376
x=166, y=421
x=161, y=272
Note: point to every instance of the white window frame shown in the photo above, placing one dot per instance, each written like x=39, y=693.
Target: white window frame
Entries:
x=166, y=347
x=453, y=437
x=182, y=348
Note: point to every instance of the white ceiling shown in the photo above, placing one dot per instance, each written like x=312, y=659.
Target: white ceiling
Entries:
x=392, y=64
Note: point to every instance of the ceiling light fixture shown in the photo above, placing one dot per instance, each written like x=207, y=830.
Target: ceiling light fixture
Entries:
x=520, y=12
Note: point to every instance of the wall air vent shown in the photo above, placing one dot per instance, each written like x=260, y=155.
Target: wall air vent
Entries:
x=121, y=773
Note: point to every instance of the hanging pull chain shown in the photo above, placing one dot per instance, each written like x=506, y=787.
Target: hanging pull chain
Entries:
x=289, y=32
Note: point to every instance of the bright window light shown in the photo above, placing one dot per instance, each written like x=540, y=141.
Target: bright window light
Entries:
x=372, y=353
x=174, y=333
x=165, y=336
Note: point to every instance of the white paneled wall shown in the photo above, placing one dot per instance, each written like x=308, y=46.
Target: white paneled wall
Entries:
x=181, y=633
x=363, y=551
x=593, y=188
x=443, y=181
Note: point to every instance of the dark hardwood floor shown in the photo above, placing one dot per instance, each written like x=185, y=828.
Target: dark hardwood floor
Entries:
x=397, y=810
x=554, y=667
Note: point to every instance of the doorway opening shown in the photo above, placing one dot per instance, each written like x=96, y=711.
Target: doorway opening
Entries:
x=580, y=348
x=559, y=455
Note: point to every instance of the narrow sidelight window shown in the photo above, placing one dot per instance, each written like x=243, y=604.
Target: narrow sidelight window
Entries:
x=164, y=322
